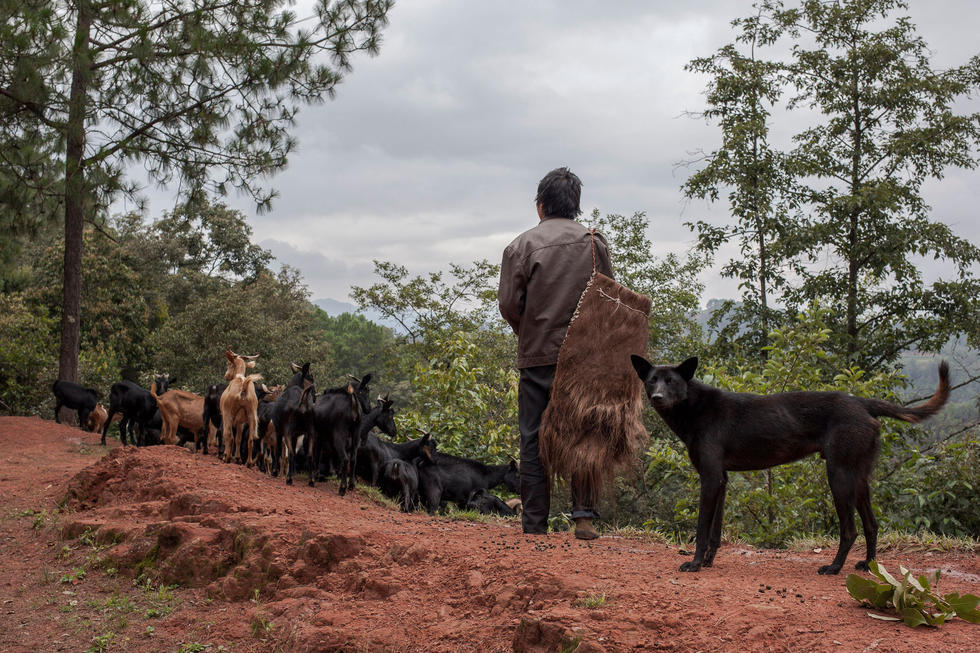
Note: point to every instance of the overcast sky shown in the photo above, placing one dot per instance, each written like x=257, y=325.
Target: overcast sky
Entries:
x=431, y=152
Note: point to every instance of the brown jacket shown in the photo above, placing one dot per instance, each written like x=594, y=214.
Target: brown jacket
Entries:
x=542, y=276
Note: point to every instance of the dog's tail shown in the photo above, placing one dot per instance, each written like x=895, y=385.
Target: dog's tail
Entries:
x=913, y=414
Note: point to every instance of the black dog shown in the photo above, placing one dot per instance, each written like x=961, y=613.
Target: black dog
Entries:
x=735, y=431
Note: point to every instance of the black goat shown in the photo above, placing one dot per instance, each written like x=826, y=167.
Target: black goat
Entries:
x=336, y=421
x=486, y=503
x=452, y=478
x=138, y=408
x=397, y=473
x=74, y=397
x=212, y=415
x=292, y=416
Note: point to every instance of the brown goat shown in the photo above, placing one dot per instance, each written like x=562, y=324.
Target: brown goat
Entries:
x=238, y=406
x=97, y=418
x=179, y=408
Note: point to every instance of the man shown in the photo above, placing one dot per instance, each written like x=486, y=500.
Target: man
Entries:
x=542, y=276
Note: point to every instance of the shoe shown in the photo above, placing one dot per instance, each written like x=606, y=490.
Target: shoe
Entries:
x=584, y=529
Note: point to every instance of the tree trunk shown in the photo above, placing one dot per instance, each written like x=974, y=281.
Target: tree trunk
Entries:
x=852, y=237
x=75, y=192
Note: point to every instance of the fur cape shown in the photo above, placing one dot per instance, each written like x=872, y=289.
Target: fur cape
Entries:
x=592, y=424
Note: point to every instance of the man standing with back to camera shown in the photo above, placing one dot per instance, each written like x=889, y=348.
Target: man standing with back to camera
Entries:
x=542, y=276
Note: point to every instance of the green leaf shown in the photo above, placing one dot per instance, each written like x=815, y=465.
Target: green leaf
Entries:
x=883, y=617
x=913, y=617
x=964, y=606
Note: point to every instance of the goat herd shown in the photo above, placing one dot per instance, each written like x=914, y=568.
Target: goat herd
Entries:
x=284, y=427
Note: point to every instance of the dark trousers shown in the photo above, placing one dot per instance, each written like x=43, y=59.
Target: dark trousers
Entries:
x=533, y=394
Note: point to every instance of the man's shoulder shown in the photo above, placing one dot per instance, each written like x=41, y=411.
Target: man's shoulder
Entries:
x=553, y=231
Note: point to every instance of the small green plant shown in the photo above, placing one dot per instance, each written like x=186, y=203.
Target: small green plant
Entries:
x=915, y=599
x=592, y=601
x=74, y=576
x=101, y=642
x=39, y=520
x=261, y=626
x=193, y=647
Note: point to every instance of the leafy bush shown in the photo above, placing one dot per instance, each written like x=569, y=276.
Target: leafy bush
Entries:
x=470, y=410
x=28, y=356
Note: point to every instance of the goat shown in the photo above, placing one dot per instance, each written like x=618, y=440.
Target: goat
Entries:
x=486, y=503
x=74, y=397
x=179, y=408
x=97, y=418
x=452, y=478
x=397, y=475
x=336, y=421
x=137, y=406
x=291, y=416
x=238, y=405
x=211, y=416
x=268, y=455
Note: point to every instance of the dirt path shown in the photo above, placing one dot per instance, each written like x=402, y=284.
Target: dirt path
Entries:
x=159, y=549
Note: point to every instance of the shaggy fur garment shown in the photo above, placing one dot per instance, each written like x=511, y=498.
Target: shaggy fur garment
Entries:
x=592, y=424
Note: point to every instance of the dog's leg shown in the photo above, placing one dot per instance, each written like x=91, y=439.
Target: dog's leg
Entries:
x=712, y=485
x=842, y=488
x=714, y=541
x=868, y=523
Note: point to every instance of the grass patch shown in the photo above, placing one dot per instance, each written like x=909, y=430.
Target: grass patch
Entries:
x=645, y=534
x=592, y=601
x=893, y=541
x=456, y=514
x=375, y=495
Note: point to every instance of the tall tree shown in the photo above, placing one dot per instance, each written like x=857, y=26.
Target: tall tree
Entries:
x=743, y=90
x=200, y=92
x=885, y=122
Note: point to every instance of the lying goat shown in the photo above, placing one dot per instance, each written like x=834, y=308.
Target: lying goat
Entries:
x=486, y=503
x=452, y=478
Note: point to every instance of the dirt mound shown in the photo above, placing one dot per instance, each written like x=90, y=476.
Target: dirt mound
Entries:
x=159, y=549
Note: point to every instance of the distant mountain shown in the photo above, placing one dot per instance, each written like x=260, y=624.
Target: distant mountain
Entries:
x=333, y=308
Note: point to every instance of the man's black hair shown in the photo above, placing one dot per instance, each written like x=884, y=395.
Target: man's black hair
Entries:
x=559, y=192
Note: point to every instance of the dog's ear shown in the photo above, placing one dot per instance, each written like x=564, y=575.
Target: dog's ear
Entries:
x=686, y=369
x=642, y=366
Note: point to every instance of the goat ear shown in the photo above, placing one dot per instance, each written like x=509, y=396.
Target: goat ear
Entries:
x=366, y=380
x=642, y=366
x=513, y=464
x=350, y=389
x=687, y=368
x=306, y=369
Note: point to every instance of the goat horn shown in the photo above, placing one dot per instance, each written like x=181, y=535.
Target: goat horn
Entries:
x=353, y=378
x=387, y=394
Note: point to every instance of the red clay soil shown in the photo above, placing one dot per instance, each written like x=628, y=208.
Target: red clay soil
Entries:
x=159, y=549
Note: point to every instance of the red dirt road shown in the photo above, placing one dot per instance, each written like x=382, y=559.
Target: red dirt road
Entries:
x=159, y=549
